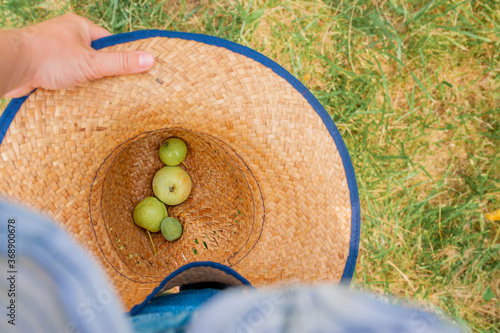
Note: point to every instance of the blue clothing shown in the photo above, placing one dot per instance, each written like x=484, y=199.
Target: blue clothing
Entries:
x=171, y=312
x=311, y=309
x=58, y=288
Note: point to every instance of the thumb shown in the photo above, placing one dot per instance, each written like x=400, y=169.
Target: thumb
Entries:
x=18, y=92
x=120, y=63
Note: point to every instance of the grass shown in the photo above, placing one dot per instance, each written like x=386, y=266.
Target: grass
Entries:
x=413, y=87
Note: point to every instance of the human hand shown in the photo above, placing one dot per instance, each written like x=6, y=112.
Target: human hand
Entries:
x=58, y=56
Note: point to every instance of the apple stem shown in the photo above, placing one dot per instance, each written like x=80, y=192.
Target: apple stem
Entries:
x=185, y=165
x=154, y=249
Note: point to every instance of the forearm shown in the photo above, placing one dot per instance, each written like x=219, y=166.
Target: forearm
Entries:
x=16, y=65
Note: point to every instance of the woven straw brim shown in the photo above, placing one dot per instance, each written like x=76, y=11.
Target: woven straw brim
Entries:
x=270, y=192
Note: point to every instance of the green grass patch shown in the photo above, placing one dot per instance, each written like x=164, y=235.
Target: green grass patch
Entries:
x=413, y=87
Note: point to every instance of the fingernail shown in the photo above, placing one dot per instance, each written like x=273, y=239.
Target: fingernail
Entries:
x=146, y=60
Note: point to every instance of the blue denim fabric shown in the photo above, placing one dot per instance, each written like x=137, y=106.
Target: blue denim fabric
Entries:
x=171, y=312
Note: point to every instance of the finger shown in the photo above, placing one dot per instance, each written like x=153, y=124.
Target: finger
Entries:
x=94, y=30
x=120, y=63
x=97, y=32
x=18, y=92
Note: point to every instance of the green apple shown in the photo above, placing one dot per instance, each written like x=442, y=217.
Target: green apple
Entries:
x=171, y=228
x=173, y=151
x=149, y=213
x=172, y=185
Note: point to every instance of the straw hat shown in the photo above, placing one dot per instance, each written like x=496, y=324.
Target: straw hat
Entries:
x=274, y=194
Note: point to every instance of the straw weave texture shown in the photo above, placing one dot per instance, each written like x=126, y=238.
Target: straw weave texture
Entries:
x=86, y=156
